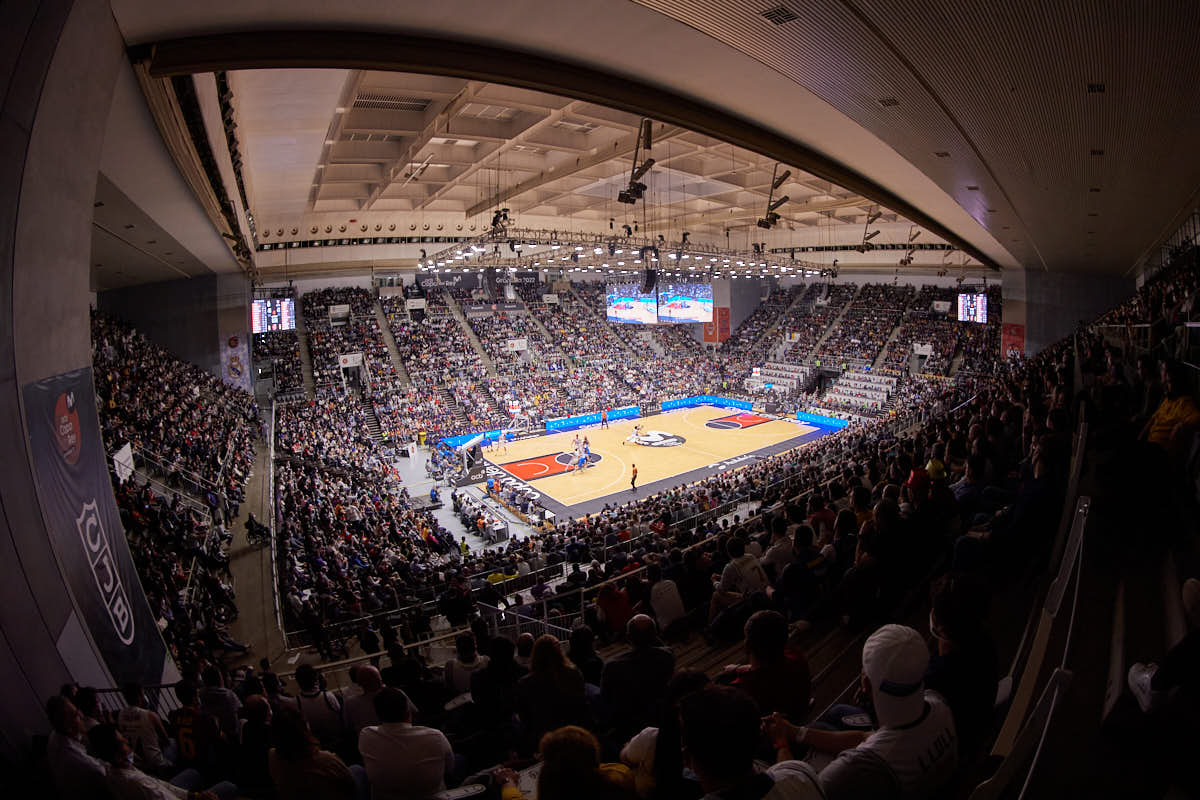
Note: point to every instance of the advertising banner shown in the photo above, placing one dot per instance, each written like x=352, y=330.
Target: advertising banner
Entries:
x=415, y=303
x=235, y=362
x=458, y=280
x=569, y=423
x=1012, y=339
x=85, y=527
x=821, y=419
x=722, y=324
x=706, y=400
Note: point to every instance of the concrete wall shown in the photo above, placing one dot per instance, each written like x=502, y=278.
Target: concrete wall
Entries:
x=58, y=75
x=1055, y=303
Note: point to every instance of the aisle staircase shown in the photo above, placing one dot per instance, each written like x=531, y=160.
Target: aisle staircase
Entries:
x=390, y=341
x=372, y=420
x=306, y=368
x=457, y=313
x=460, y=416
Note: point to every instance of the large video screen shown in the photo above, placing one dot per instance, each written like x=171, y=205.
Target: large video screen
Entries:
x=278, y=314
x=625, y=303
x=685, y=302
x=972, y=308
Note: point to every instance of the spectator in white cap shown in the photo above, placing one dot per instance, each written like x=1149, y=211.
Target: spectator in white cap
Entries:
x=912, y=751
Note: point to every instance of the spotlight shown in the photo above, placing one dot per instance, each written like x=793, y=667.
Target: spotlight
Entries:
x=870, y=236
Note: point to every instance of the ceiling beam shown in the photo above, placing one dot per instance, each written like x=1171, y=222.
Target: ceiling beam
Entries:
x=404, y=165
x=718, y=215
x=621, y=148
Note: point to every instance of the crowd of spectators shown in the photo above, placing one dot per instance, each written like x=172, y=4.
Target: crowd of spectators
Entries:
x=495, y=331
x=817, y=311
x=187, y=424
x=282, y=348
x=862, y=331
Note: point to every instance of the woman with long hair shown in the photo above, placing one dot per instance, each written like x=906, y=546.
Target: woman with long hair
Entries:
x=300, y=768
x=656, y=754
x=571, y=770
x=551, y=695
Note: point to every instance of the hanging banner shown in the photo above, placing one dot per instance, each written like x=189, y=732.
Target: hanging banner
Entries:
x=722, y=324
x=923, y=349
x=516, y=345
x=340, y=310
x=941, y=306
x=350, y=360
x=550, y=299
x=85, y=527
x=1012, y=340
x=123, y=463
x=235, y=362
x=415, y=303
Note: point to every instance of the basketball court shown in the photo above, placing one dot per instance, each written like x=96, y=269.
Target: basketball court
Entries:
x=680, y=447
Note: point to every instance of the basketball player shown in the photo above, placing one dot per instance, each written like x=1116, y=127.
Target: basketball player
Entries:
x=633, y=480
x=582, y=463
x=604, y=418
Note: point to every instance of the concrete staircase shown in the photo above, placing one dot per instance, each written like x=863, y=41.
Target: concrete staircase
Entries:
x=390, y=341
x=456, y=312
x=306, y=368
x=372, y=420
x=459, y=415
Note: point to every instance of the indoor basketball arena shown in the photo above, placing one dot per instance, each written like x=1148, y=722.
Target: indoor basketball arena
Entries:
x=602, y=401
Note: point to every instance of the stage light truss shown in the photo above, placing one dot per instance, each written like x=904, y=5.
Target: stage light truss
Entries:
x=524, y=249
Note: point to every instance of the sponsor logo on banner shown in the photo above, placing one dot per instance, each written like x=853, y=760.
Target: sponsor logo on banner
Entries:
x=104, y=570
x=508, y=481
x=66, y=427
x=83, y=527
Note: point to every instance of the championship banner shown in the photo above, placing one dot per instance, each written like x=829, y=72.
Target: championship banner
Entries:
x=235, y=362
x=85, y=528
x=1012, y=340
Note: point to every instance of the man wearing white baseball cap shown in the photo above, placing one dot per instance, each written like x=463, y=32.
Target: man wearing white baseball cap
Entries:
x=913, y=750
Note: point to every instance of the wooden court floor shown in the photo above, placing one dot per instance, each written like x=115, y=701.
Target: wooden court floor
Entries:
x=709, y=435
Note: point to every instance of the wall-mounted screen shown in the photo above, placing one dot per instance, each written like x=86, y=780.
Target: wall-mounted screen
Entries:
x=624, y=303
x=972, y=308
x=685, y=302
x=278, y=314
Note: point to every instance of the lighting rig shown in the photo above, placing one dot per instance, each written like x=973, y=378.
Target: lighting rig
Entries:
x=531, y=249
x=771, y=217
x=636, y=189
x=867, y=237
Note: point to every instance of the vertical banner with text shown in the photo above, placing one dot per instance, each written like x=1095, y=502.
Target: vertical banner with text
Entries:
x=85, y=527
x=1012, y=340
x=235, y=361
x=722, y=324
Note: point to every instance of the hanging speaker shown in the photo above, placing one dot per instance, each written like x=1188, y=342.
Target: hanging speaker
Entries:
x=649, y=280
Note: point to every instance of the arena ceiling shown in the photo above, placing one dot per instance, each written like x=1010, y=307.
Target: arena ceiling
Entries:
x=361, y=140
x=1048, y=136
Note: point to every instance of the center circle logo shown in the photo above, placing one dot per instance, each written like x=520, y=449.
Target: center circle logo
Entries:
x=661, y=439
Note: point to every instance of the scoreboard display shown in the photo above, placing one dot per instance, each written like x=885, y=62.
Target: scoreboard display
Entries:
x=277, y=314
x=972, y=308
